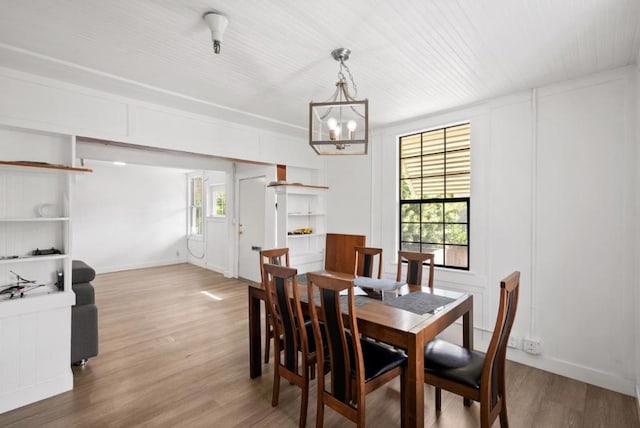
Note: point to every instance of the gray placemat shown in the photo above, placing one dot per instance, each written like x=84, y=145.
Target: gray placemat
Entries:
x=357, y=301
x=418, y=302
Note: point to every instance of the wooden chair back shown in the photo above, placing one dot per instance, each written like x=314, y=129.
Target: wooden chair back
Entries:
x=288, y=322
x=344, y=348
x=366, y=260
x=276, y=256
x=293, y=358
x=414, y=267
x=493, y=382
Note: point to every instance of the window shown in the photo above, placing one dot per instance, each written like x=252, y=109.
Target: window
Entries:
x=195, y=206
x=217, y=201
x=435, y=185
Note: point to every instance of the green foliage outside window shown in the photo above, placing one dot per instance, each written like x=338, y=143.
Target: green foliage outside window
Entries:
x=435, y=170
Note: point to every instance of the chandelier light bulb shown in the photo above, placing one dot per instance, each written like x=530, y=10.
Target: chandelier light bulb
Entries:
x=332, y=123
x=351, y=126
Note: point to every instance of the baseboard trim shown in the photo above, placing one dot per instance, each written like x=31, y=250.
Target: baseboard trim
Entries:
x=132, y=266
x=603, y=379
x=39, y=391
x=638, y=399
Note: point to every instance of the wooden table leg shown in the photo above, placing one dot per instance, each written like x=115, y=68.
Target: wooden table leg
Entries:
x=467, y=335
x=255, y=346
x=414, y=384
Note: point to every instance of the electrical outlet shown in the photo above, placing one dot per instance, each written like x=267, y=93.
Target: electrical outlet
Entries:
x=514, y=342
x=531, y=345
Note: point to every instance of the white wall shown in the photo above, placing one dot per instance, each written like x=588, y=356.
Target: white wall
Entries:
x=553, y=197
x=344, y=174
x=38, y=103
x=129, y=217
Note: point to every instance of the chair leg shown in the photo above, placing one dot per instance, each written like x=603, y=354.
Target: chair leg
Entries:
x=485, y=422
x=276, y=387
x=361, y=416
x=319, y=411
x=403, y=398
x=304, y=403
x=267, y=337
x=438, y=399
x=504, y=421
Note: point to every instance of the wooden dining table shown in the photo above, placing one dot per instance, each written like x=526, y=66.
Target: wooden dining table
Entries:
x=398, y=327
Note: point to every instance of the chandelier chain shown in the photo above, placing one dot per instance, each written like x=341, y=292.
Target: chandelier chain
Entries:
x=342, y=77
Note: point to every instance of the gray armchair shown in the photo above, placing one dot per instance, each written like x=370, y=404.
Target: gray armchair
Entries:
x=84, y=314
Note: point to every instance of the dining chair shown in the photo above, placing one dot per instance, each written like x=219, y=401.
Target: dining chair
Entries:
x=365, y=261
x=294, y=355
x=414, y=266
x=472, y=374
x=276, y=256
x=357, y=366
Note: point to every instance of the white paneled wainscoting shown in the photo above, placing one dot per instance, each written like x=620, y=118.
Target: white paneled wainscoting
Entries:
x=553, y=195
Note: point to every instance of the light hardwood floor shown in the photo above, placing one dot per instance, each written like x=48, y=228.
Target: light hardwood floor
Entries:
x=171, y=355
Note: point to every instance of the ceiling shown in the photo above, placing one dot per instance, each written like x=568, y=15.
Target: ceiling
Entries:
x=409, y=57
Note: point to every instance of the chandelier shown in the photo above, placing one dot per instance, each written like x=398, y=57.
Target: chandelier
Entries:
x=340, y=126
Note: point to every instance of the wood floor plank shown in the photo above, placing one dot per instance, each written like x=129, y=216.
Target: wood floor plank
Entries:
x=170, y=355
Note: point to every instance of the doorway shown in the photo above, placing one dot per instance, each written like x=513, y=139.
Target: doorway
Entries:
x=251, y=226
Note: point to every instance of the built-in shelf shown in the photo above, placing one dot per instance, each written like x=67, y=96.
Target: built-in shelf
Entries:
x=305, y=214
x=32, y=219
x=38, y=300
x=27, y=259
x=41, y=167
x=305, y=235
x=310, y=186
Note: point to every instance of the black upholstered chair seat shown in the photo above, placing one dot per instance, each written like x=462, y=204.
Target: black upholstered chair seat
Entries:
x=378, y=359
x=453, y=362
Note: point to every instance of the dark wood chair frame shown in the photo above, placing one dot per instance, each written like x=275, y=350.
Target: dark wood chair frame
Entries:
x=365, y=260
x=414, y=267
x=292, y=358
x=274, y=257
x=348, y=391
x=491, y=394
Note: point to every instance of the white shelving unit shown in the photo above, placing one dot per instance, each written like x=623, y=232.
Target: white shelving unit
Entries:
x=302, y=207
x=35, y=214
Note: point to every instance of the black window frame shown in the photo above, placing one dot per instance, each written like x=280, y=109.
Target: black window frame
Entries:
x=437, y=200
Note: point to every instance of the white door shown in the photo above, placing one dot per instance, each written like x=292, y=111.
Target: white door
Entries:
x=251, y=226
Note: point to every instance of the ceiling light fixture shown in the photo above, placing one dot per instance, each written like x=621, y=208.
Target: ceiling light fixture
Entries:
x=340, y=126
x=217, y=23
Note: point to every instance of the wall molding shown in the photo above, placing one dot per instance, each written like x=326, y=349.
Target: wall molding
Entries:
x=155, y=263
x=638, y=399
x=560, y=367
